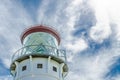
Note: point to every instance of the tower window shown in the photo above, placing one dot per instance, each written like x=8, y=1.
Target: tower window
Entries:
x=24, y=68
x=54, y=69
x=39, y=65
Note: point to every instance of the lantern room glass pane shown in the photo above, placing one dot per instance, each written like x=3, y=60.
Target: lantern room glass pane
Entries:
x=38, y=38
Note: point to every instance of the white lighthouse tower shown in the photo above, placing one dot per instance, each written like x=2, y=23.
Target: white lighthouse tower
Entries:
x=39, y=58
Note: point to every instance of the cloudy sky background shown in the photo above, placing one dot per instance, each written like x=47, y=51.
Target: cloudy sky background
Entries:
x=90, y=32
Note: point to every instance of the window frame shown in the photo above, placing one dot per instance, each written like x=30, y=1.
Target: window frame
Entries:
x=54, y=68
x=24, y=68
x=39, y=65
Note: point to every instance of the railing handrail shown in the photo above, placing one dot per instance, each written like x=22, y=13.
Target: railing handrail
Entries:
x=58, y=52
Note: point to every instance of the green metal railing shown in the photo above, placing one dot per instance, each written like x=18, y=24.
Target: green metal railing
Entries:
x=39, y=49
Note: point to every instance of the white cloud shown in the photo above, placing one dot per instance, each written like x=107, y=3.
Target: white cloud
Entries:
x=6, y=77
x=6, y=62
x=107, y=12
x=72, y=11
x=74, y=47
x=116, y=78
x=102, y=29
x=73, y=76
x=77, y=45
x=13, y=20
x=100, y=32
x=93, y=67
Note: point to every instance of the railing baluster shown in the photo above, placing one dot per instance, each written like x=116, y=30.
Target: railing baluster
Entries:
x=48, y=50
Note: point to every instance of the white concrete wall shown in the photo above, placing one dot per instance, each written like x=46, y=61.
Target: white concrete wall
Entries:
x=34, y=73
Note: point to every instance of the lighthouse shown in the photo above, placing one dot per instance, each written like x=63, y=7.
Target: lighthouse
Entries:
x=40, y=57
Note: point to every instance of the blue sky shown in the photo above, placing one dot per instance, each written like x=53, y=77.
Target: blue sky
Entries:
x=89, y=29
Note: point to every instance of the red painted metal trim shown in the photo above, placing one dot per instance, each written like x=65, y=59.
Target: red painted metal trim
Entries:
x=40, y=29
